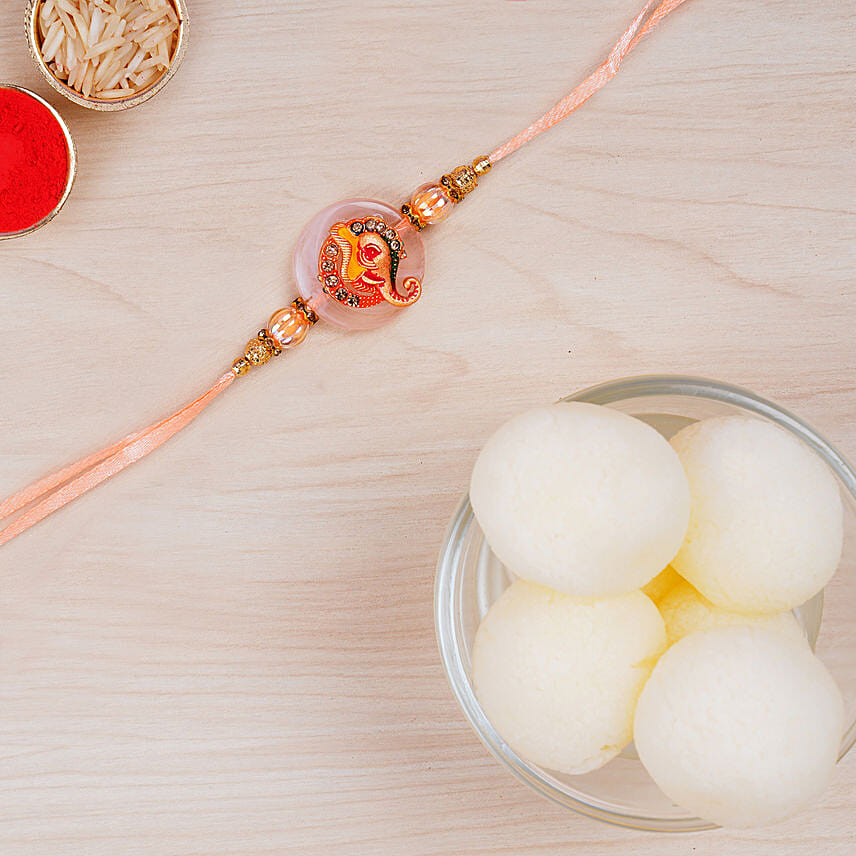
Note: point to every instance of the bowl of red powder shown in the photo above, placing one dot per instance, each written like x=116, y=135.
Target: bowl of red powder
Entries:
x=38, y=162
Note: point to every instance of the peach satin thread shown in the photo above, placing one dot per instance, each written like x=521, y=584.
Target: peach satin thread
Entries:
x=73, y=481
x=52, y=493
x=645, y=21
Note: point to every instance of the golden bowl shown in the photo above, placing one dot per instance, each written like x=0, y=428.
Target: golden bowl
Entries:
x=112, y=104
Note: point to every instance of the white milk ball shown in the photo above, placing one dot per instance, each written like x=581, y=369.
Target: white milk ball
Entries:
x=766, y=522
x=559, y=677
x=740, y=725
x=581, y=498
x=685, y=610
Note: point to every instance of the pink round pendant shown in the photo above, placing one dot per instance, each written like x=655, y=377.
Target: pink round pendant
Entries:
x=357, y=263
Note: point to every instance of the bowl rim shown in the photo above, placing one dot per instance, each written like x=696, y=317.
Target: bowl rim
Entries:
x=447, y=581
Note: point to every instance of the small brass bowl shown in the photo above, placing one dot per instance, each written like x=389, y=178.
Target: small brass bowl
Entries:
x=113, y=104
x=72, y=165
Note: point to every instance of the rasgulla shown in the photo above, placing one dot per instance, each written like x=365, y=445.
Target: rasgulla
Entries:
x=581, y=498
x=740, y=725
x=559, y=677
x=766, y=520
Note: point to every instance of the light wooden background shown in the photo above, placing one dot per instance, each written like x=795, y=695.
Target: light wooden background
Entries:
x=230, y=648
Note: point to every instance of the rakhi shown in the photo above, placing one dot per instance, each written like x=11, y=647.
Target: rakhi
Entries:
x=357, y=264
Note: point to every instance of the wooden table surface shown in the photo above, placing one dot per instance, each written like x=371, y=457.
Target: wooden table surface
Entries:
x=230, y=648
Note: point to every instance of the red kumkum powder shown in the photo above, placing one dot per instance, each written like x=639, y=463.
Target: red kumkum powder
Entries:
x=34, y=161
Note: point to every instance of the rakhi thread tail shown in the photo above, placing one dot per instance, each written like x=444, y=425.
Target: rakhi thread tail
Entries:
x=645, y=21
x=287, y=328
x=64, y=486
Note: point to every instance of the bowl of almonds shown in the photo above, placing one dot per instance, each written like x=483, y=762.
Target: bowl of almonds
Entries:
x=107, y=54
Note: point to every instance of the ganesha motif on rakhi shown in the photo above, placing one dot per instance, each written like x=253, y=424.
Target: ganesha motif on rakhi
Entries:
x=358, y=265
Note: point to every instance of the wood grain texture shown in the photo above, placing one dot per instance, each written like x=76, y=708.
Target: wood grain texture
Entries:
x=230, y=648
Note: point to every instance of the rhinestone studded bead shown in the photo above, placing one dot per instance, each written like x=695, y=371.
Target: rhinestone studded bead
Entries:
x=410, y=216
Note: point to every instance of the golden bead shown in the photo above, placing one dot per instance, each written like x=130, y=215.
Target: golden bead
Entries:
x=407, y=211
x=305, y=310
x=460, y=181
x=431, y=203
x=240, y=367
x=288, y=327
x=259, y=351
x=482, y=165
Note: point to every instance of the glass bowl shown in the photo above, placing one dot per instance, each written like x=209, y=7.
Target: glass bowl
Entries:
x=470, y=578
